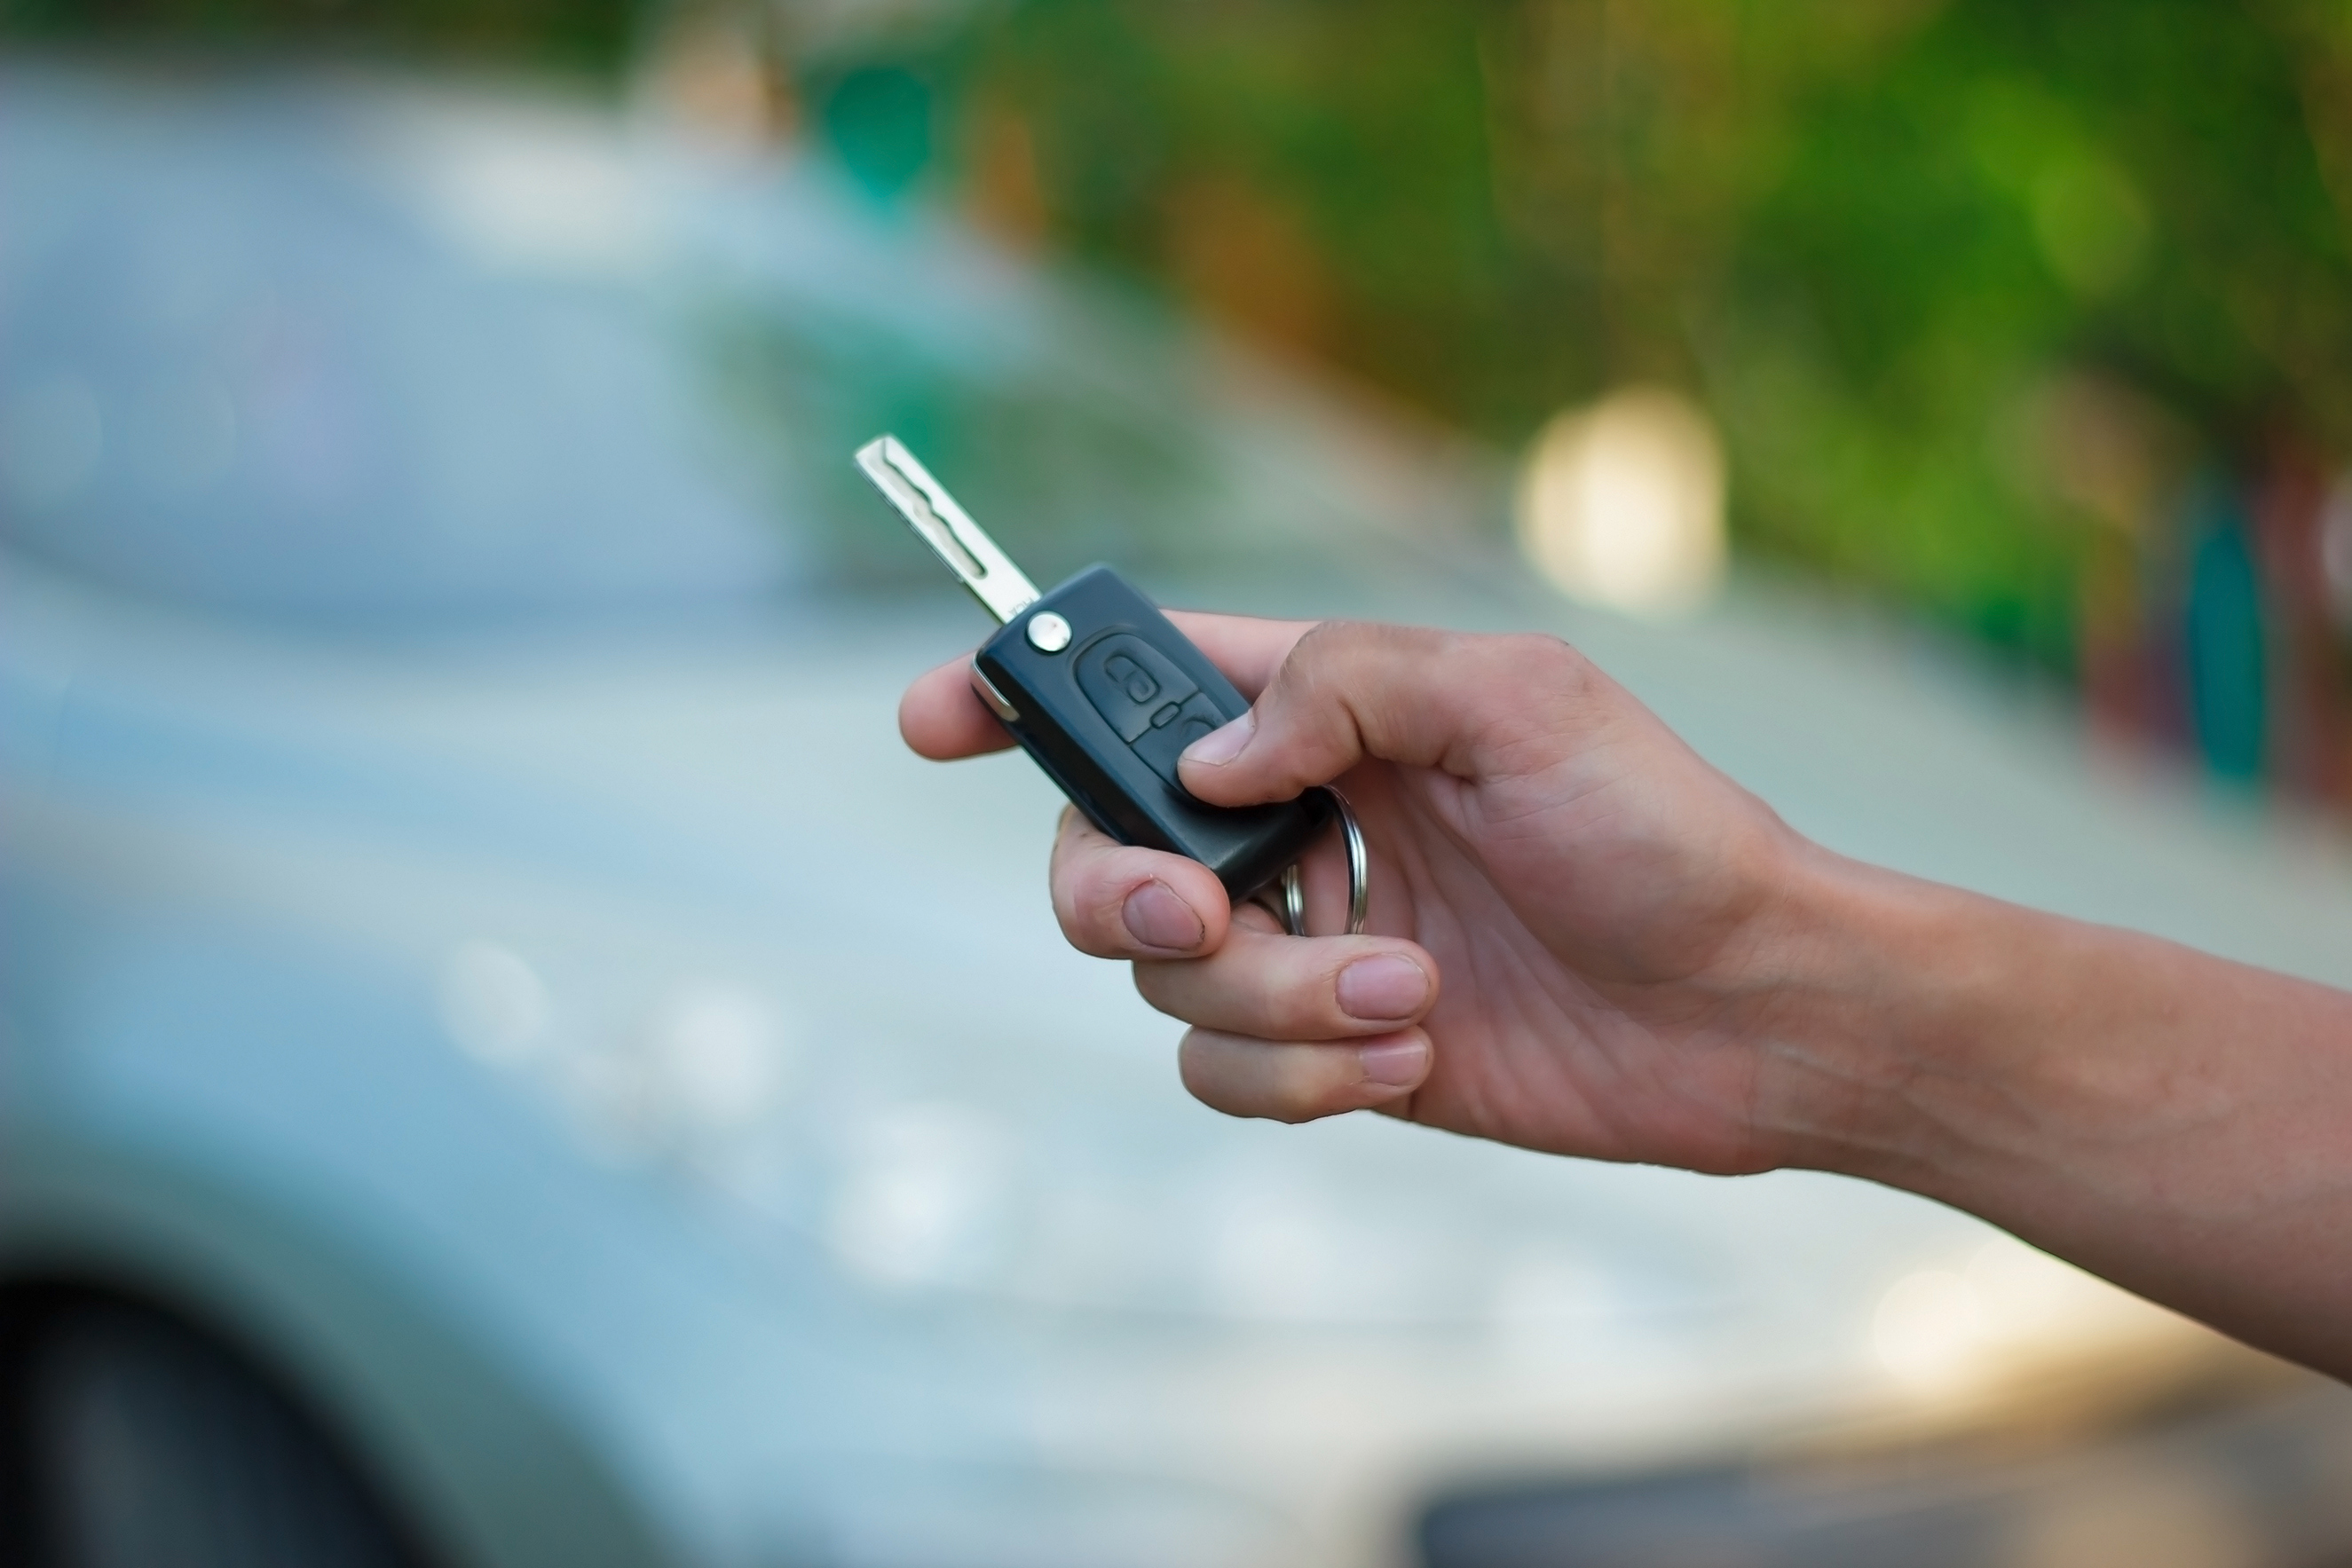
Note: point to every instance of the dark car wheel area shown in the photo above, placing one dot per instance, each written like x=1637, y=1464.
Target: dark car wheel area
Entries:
x=130, y=1438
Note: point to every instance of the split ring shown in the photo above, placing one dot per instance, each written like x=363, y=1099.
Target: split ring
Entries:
x=1293, y=907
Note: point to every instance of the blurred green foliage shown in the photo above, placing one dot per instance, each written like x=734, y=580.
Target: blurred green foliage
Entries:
x=1872, y=236
x=2016, y=192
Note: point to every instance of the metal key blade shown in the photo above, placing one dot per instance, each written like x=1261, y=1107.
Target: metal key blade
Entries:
x=947, y=528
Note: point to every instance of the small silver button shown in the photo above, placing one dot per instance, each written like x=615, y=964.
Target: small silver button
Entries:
x=1048, y=633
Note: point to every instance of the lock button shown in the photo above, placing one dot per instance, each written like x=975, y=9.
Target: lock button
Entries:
x=1156, y=708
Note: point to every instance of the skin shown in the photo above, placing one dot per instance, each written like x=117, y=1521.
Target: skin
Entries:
x=1584, y=939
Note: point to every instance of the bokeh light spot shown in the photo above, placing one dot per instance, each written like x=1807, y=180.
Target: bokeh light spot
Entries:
x=1621, y=504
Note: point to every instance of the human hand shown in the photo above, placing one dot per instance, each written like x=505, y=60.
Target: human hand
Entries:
x=1598, y=900
x=1640, y=962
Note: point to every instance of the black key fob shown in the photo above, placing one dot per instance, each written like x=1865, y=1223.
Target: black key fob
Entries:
x=1099, y=688
x=1106, y=693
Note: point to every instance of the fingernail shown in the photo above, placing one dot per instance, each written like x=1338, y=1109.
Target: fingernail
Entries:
x=1219, y=747
x=1388, y=985
x=1155, y=917
x=1397, y=1063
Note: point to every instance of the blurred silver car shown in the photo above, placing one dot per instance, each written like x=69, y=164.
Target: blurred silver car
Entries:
x=505, y=1060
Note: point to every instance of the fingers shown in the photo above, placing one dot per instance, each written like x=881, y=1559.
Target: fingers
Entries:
x=1115, y=902
x=1429, y=699
x=1288, y=988
x=1355, y=1000
x=1288, y=1083
x=1297, y=1027
x=942, y=717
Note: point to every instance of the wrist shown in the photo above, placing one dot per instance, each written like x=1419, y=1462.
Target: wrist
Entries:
x=1965, y=1048
x=1871, y=999
x=2170, y=1120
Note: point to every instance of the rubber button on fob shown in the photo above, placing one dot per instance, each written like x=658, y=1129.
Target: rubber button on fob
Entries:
x=1156, y=707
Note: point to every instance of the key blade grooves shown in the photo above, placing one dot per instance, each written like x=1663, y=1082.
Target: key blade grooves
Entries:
x=917, y=508
x=947, y=528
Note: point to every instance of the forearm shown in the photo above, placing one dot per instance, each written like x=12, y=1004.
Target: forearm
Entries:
x=2178, y=1123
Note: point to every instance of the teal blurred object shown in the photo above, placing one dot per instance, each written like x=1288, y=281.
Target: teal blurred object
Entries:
x=2225, y=636
x=878, y=119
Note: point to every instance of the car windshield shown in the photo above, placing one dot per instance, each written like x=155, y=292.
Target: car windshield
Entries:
x=361, y=356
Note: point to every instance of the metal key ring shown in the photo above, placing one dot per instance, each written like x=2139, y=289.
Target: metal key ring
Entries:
x=1293, y=907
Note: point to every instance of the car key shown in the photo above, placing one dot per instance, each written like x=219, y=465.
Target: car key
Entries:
x=1098, y=687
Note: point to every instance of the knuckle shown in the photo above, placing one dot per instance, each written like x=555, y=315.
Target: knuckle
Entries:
x=1296, y=1086
x=1161, y=983
x=1327, y=648
x=1530, y=688
x=1198, y=1065
x=1256, y=1078
x=1307, y=702
x=1294, y=993
x=1530, y=660
x=1065, y=907
x=1078, y=928
x=1315, y=1084
x=1255, y=918
x=1330, y=647
x=1086, y=904
x=1318, y=642
x=1304, y=1004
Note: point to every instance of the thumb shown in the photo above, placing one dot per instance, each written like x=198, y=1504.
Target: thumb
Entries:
x=1351, y=690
